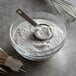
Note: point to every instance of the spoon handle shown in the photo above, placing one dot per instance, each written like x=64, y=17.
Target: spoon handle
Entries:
x=26, y=17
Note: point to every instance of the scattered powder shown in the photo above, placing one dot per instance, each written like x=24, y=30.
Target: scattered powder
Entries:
x=23, y=36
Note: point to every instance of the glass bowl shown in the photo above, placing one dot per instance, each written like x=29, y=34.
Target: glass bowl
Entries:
x=34, y=55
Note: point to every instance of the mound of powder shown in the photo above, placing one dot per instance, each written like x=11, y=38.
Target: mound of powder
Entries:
x=24, y=38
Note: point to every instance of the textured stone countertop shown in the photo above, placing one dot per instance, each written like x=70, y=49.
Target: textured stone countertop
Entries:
x=62, y=64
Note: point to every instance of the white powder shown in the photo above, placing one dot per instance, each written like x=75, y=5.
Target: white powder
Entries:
x=24, y=38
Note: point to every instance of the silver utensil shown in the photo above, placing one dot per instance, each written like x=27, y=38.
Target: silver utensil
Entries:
x=2, y=71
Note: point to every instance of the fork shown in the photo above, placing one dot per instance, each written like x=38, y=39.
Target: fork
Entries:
x=2, y=71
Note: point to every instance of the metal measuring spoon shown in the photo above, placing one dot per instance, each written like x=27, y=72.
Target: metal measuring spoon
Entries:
x=38, y=33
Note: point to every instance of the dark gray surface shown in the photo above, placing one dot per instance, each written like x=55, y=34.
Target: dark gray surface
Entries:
x=62, y=64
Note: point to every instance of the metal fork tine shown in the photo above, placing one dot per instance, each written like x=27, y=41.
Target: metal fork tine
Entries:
x=3, y=71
